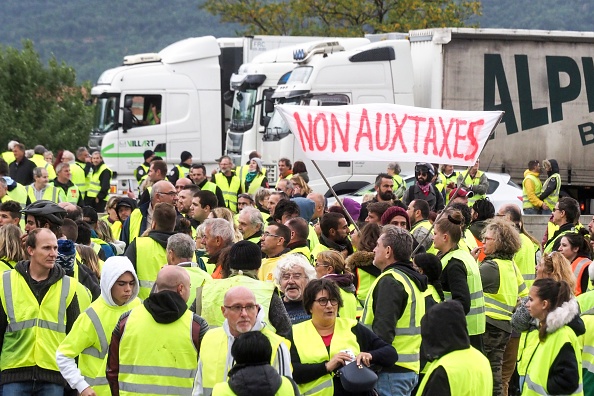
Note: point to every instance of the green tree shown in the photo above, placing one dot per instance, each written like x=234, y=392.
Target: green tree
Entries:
x=342, y=17
x=40, y=104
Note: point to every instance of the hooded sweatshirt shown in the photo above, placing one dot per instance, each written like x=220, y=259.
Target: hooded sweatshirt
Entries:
x=551, y=183
x=84, y=335
x=282, y=363
x=260, y=379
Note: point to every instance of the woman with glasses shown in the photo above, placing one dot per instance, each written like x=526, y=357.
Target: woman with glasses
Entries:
x=326, y=343
x=502, y=286
x=330, y=265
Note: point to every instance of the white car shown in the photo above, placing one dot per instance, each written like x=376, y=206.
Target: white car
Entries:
x=502, y=190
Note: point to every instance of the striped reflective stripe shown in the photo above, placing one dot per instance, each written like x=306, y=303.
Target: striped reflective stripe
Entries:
x=412, y=328
x=539, y=389
x=408, y=357
x=96, y=381
x=578, y=268
x=157, y=370
x=13, y=325
x=92, y=351
x=529, y=276
x=476, y=294
x=499, y=304
x=588, y=366
x=476, y=311
x=155, y=389
x=207, y=391
x=318, y=388
x=147, y=284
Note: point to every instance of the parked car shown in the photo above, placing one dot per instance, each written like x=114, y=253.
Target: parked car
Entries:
x=502, y=190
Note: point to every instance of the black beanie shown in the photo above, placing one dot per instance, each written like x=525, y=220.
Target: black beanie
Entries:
x=185, y=155
x=245, y=255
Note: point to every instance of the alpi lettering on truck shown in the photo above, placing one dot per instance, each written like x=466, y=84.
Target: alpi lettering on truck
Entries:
x=381, y=131
x=564, y=82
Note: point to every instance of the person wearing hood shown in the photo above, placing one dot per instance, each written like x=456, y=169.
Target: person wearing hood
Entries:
x=242, y=314
x=252, y=373
x=457, y=368
x=532, y=189
x=154, y=348
x=551, y=187
x=394, y=308
x=330, y=265
x=123, y=209
x=254, y=178
x=88, y=339
x=555, y=367
x=99, y=185
x=149, y=253
x=39, y=308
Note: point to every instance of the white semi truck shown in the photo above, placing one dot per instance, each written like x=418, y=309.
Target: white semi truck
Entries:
x=186, y=83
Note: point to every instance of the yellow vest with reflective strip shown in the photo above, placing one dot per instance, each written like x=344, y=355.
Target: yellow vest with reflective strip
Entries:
x=213, y=294
x=526, y=204
x=468, y=372
x=311, y=349
x=365, y=281
x=97, y=324
x=34, y=331
x=150, y=258
x=500, y=305
x=587, y=344
x=548, y=247
x=95, y=183
x=553, y=197
x=229, y=190
x=475, y=318
x=474, y=181
x=213, y=353
x=528, y=343
x=223, y=389
x=525, y=259
x=546, y=352
x=157, y=358
x=254, y=185
x=135, y=223
x=72, y=194
x=51, y=193
x=350, y=305
x=426, y=225
x=408, y=327
x=198, y=278
x=18, y=194
x=210, y=186
x=399, y=187
x=79, y=178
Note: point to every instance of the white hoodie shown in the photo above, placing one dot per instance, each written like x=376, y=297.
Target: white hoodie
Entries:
x=282, y=362
x=113, y=268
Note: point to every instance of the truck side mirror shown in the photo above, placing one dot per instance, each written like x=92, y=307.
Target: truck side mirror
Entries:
x=128, y=119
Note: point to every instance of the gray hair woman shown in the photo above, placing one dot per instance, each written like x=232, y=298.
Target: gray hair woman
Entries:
x=292, y=273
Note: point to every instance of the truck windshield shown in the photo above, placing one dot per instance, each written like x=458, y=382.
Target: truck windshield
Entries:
x=300, y=75
x=277, y=128
x=106, y=115
x=242, y=116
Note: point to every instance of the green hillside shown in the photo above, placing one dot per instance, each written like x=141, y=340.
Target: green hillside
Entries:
x=93, y=36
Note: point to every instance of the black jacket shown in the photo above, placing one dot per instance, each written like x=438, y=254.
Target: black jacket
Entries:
x=22, y=172
x=262, y=380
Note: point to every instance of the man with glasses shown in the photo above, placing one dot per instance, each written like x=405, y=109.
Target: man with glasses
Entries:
x=228, y=182
x=242, y=314
x=141, y=218
x=274, y=242
x=566, y=215
x=424, y=189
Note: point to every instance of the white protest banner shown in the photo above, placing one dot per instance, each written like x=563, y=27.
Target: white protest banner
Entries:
x=389, y=132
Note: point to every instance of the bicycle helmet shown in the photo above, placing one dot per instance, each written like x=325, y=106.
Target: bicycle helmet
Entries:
x=47, y=210
x=425, y=167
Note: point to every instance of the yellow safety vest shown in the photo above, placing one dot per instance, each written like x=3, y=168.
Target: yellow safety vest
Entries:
x=213, y=353
x=474, y=181
x=198, y=278
x=399, y=186
x=116, y=229
x=468, y=371
x=51, y=193
x=134, y=226
x=528, y=343
x=303, y=250
x=157, y=358
x=453, y=178
x=229, y=190
x=350, y=305
x=408, y=328
x=213, y=294
x=38, y=160
x=72, y=194
x=79, y=177
x=526, y=204
x=426, y=224
x=525, y=259
x=541, y=361
x=150, y=258
x=365, y=281
x=210, y=186
x=144, y=176
x=500, y=305
x=553, y=197
x=311, y=349
x=95, y=183
x=89, y=340
x=18, y=194
x=181, y=171
x=587, y=344
x=254, y=185
x=548, y=247
x=34, y=330
x=475, y=318
x=223, y=389
x=266, y=271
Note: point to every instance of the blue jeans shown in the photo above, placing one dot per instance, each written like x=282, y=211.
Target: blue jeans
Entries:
x=530, y=211
x=401, y=384
x=33, y=388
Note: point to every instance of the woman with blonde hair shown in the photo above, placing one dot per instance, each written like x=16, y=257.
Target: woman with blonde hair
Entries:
x=11, y=249
x=551, y=266
x=300, y=187
x=89, y=258
x=226, y=214
x=330, y=265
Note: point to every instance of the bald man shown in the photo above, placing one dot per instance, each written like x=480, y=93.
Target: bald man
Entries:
x=139, y=361
x=242, y=314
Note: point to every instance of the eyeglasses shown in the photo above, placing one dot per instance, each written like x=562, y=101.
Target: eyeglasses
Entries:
x=318, y=264
x=266, y=234
x=288, y=276
x=324, y=301
x=170, y=193
x=238, y=308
